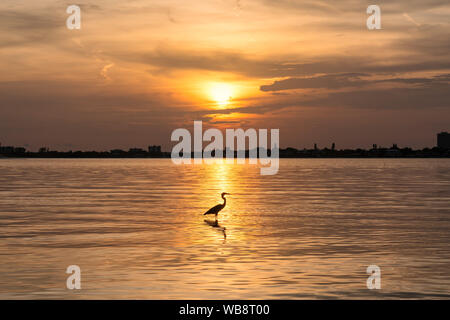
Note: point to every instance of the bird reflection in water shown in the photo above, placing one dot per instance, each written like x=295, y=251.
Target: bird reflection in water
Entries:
x=215, y=224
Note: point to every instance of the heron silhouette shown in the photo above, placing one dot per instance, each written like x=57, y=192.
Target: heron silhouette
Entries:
x=216, y=209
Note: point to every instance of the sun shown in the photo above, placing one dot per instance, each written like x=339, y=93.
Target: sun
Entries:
x=221, y=93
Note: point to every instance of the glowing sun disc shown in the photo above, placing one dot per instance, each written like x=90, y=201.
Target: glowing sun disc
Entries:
x=221, y=93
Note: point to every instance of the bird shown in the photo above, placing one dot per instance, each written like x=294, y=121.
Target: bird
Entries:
x=216, y=209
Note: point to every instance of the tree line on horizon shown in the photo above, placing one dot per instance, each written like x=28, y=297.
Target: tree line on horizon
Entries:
x=156, y=152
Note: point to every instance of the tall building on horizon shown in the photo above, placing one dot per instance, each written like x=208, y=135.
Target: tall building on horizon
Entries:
x=443, y=140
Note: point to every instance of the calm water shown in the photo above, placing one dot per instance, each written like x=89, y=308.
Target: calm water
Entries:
x=136, y=229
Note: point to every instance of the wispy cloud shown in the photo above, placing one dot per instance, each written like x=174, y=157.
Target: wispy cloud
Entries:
x=104, y=72
x=410, y=19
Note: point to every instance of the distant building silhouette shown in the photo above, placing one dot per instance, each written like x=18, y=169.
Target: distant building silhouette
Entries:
x=394, y=151
x=154, y=149
x=443, y=140
x=6, y=149
x=117, y=152
x=136, y=151
x=333, y=146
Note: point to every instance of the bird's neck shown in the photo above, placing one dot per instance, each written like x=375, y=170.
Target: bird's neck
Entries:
x=224, y=200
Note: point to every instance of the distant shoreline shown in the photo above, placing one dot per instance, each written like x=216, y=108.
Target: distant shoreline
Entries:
x=155, y=152
x=281, y=157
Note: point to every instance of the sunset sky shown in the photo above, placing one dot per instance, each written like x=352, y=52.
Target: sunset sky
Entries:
x=139, y=69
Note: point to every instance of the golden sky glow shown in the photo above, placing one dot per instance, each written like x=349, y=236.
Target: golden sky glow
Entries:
x=139, y=69
x=221, y=93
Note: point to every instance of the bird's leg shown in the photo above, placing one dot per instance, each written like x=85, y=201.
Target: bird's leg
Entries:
x=216, y=216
